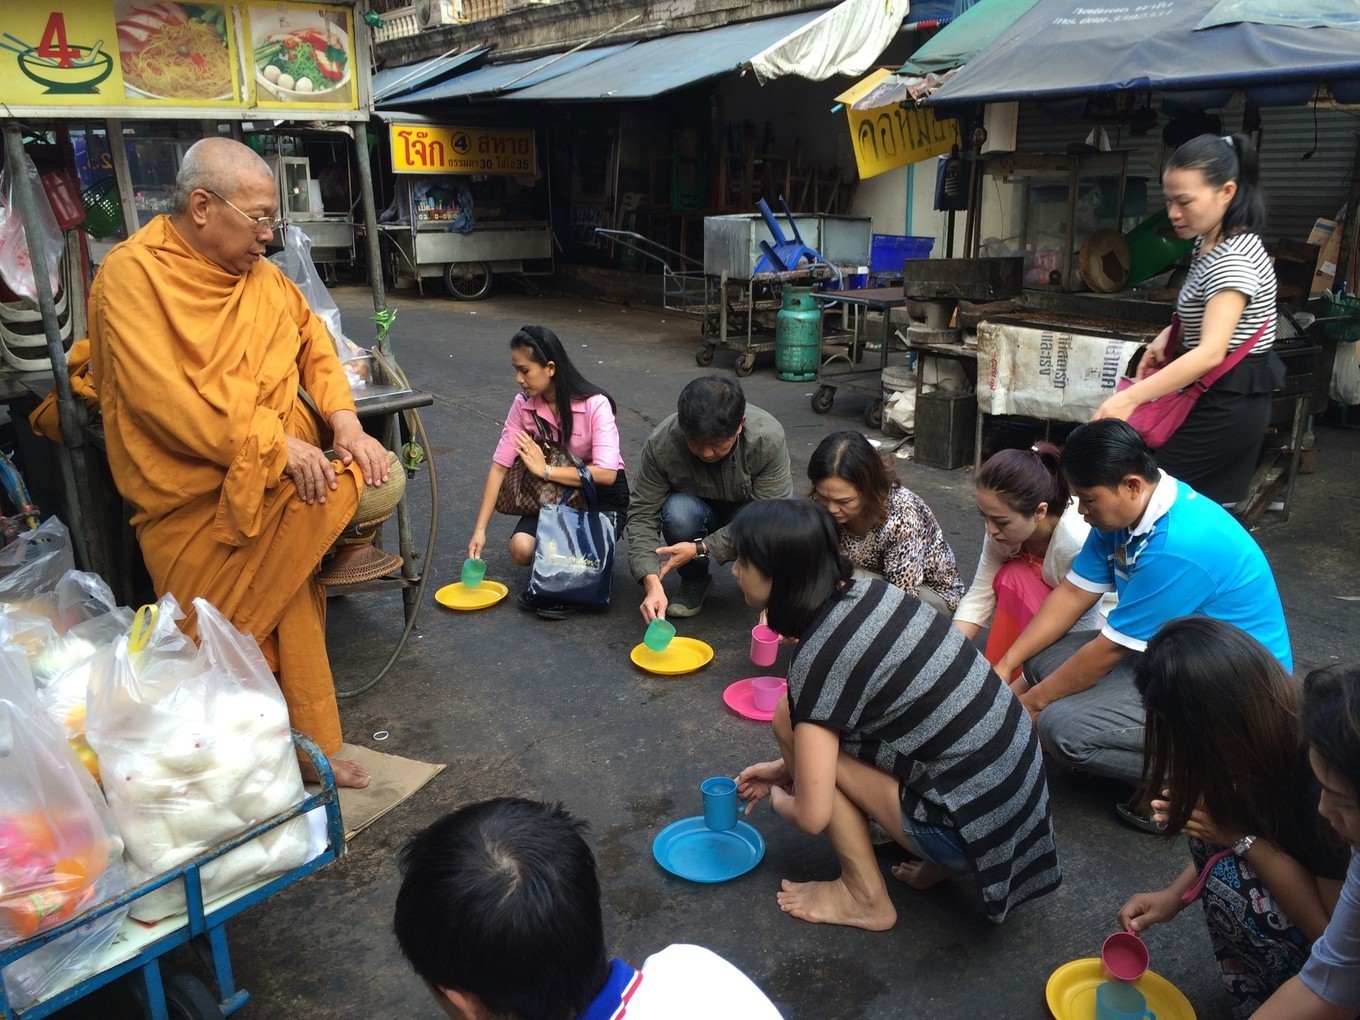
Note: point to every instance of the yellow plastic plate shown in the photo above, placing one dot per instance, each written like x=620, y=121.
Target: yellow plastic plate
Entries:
x=1071, y=992
x=460, y=596
x=682, y=655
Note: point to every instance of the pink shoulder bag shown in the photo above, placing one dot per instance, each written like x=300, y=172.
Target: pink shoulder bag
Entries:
x=1157, y=420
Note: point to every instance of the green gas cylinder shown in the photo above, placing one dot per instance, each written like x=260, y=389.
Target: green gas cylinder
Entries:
x=798, y=336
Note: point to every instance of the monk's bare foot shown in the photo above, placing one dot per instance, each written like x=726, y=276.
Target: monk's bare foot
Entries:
x=834, y=903
x=349, y=774
x=920, y=875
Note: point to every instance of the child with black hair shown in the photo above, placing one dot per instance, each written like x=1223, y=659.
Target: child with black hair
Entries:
x=499, y=914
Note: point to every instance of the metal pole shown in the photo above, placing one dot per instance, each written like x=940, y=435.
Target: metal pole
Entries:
x=70, y=415
x=375, y=274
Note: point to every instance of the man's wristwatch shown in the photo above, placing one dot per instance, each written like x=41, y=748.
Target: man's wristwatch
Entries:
x=700, y=549
x=1243, y=845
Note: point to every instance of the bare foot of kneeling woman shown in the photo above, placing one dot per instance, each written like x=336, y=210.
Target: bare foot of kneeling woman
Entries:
x=835, y=902
x=920, y=875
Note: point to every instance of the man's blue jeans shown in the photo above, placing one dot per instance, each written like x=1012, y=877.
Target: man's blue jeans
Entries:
x=685, y=517
x=1098, y=730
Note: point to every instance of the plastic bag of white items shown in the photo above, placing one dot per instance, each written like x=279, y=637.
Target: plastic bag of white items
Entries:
x=195, y=748
x=296, y=262
x=1346, y=373
x=63, y=674
x=16, y=269
x=59, y=851
x=31, y=566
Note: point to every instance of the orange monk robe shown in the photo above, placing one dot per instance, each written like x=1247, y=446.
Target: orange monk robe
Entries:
x=197, y=371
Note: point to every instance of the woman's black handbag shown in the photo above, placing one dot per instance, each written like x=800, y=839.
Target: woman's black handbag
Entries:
x=574, y=553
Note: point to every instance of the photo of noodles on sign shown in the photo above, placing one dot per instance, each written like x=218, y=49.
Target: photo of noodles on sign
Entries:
x=175, y=51
x=300, y=54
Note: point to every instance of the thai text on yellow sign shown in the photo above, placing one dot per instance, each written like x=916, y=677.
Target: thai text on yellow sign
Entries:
x=439, y=149
x=135, y=55
x=890, y=136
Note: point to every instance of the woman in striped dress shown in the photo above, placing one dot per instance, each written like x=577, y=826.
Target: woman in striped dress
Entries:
x=1228, y=298
x=891, y=715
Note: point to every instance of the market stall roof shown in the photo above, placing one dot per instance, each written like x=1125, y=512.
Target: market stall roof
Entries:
x=1075, y=47
x=966, y=35
x=397, y=81
x=499, y=79
x=657, y=66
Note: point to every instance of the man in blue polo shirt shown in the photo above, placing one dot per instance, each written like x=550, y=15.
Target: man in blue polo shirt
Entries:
x=1167, y=551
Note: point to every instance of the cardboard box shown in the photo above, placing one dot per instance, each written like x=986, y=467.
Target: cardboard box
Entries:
x=1327, y=236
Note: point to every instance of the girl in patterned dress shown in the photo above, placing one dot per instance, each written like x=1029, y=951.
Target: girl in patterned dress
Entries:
x=1223, y=744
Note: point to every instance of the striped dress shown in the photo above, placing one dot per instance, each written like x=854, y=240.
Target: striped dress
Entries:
x=910, y=696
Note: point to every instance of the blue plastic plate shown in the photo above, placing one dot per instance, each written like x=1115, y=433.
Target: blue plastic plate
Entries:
x=690, y=849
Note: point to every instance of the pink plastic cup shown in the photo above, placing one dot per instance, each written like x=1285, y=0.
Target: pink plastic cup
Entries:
x=1125, y=956
x=764, y=645
x=766, y=692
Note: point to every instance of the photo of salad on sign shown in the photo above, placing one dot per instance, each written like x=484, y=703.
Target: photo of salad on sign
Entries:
x=174, y=51
x=301, y=54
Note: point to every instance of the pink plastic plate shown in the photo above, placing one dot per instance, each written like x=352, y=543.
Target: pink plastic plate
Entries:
x=741, y=699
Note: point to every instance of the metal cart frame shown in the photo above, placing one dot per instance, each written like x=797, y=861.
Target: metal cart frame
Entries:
x=203, y=928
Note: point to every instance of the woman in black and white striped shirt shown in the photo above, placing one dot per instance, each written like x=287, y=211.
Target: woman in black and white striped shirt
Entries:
x=1210, y=184
x=893, y=714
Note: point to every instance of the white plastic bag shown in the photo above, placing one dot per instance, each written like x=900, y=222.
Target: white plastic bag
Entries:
x=1346, y=374
x=59, y=851
x=296, y=262
x=64, y=672
x=15, y=266
x=194, y=748
x=31, y=567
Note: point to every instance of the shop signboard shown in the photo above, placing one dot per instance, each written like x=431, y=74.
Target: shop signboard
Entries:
x=887, y=129
x=892, y=136
x=139, y=58
x=441, y=149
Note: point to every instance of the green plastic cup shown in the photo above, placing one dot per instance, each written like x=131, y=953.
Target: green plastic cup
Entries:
x=473, y=572
x=659, y=634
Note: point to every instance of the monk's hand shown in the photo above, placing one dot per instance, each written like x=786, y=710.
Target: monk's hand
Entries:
x=309, y=469
x=355, y=446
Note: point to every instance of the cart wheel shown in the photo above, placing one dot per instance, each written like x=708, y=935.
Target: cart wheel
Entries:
x=873, y=414
x=823, y=398
x=746, y=364
x=703, y=357
x=857, y=352
x=188, y=998
x=468, y=281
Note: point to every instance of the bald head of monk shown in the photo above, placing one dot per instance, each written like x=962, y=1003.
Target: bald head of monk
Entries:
x=222, y=193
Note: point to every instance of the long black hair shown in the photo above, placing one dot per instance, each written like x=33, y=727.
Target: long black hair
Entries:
x=1222, y=726
x=1023, y=479
x=850, y=457
x=1331, y=719
x=1220, y=160
x=544, y=346
x=795, y=543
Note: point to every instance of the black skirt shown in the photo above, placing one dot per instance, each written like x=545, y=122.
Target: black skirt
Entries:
x=1216, y=450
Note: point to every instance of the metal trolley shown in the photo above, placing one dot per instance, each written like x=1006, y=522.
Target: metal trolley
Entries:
x=137, y=950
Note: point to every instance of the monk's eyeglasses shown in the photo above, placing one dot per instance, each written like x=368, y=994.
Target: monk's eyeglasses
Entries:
x=271, y=223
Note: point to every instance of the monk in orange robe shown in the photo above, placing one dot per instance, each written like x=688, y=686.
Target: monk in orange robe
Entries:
x=198, y=348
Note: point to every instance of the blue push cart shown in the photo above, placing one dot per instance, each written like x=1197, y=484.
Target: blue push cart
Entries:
x=138, y=948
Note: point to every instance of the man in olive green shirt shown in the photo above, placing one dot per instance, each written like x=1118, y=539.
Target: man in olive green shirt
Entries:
x=699, y=467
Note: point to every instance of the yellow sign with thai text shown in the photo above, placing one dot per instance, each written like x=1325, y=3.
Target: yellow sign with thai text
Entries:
x=439, y=149
x=139, y=57
x=888, y=137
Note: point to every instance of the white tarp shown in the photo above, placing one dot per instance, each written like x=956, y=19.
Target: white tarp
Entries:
x=1044, y=373
x=848, y=39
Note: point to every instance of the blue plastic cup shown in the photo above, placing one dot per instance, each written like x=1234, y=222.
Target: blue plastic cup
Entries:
x=473, y=572
x=1116, y=1000
x=720, y=803
x=659, y=634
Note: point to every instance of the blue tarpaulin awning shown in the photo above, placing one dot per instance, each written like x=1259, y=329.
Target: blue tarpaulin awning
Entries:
x=498, y=79
x=391, y=82
x=657, y=66
x=1077, y=47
